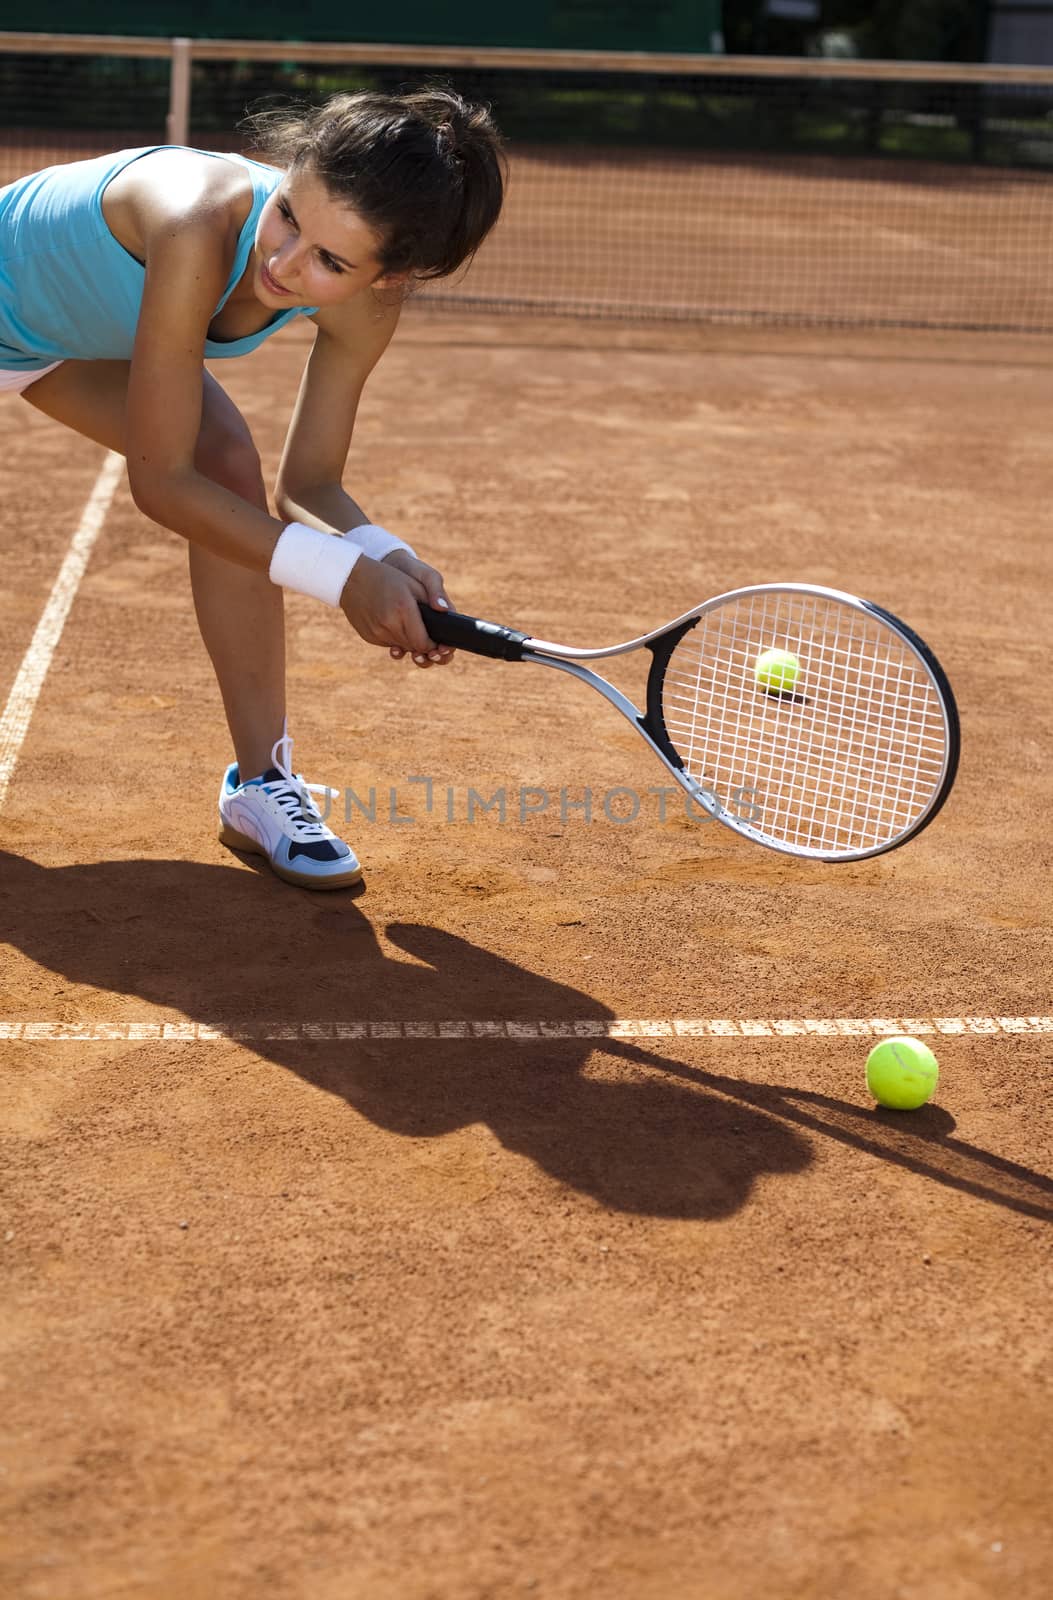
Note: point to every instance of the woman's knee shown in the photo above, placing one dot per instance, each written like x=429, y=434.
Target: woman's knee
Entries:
x=228, y=457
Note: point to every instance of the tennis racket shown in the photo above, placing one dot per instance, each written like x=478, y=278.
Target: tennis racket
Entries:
x=855, y=760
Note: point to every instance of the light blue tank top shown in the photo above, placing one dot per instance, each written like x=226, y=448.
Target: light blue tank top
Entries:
x=68, y=290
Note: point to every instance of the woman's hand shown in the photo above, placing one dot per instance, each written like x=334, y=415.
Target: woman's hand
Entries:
x=435, y=595
x=381, y=598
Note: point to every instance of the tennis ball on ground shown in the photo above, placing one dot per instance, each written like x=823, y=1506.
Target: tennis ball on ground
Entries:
x=902, y=1073
x=777, y=671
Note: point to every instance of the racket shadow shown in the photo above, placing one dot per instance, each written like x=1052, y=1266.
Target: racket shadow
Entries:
x=922, y=1141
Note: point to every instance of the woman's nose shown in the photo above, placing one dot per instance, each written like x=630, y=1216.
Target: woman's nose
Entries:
x=286, y=257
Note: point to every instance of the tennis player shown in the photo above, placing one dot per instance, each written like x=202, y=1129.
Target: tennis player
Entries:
x=122, y=275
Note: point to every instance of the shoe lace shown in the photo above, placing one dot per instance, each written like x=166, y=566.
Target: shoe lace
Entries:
x=294, y=795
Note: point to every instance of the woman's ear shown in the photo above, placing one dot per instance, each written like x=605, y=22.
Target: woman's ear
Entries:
x=399, y=282
x=391, y=290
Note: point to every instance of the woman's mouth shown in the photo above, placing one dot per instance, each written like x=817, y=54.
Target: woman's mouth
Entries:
x=270, y=284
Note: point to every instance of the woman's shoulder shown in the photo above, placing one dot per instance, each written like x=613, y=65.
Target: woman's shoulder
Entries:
x=182, y=181
x=174, y=184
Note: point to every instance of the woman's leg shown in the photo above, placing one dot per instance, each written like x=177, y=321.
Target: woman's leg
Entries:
x=242, y=621
x=239, y=612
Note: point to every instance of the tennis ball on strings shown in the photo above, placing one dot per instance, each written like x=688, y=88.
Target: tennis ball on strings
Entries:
x=777, y=671
x=902, y=1073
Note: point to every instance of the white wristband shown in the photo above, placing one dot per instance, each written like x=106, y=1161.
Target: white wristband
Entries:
x=377, y=542
x=312, y=562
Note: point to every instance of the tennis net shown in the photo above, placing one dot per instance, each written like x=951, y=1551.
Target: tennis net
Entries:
x=748, y=190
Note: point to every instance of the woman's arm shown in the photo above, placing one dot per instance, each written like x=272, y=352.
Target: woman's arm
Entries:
x=187, y=265
x=350, y=340
x=186, y=270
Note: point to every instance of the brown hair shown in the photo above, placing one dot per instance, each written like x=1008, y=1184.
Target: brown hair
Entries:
x=425, y=170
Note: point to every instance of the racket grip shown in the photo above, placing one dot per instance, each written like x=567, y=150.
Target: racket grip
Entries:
x=472, y=634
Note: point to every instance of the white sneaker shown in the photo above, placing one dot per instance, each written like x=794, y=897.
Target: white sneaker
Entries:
x=274, y=816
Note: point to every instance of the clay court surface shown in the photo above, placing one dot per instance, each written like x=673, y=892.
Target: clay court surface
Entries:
x=427, y=1254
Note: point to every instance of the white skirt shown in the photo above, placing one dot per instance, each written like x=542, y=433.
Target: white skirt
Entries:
x=16, y=382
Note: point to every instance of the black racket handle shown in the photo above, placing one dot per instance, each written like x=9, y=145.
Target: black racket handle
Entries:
x=471, y=633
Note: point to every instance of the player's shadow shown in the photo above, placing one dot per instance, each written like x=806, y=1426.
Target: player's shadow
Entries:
x=639, y=1131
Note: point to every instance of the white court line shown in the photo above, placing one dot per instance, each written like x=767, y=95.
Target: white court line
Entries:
x=661, y=1028
x=14, y=724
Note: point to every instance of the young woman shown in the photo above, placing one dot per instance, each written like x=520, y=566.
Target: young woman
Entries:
x=121, y=276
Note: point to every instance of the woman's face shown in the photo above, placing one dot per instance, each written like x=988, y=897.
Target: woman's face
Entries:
x=311, y=250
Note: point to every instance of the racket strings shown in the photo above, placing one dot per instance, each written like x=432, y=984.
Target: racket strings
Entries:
x=847, y=761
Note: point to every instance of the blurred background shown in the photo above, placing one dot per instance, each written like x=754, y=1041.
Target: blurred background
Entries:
x=891, y=30
x=817, y=162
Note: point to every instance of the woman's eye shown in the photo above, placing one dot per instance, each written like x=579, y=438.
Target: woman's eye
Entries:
x=331, y=265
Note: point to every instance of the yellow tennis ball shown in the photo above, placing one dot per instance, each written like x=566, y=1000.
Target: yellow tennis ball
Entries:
x=902, y=1073
x=777, y=671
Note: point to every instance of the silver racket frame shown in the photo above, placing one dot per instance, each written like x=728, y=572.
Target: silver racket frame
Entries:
x=566, y=658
